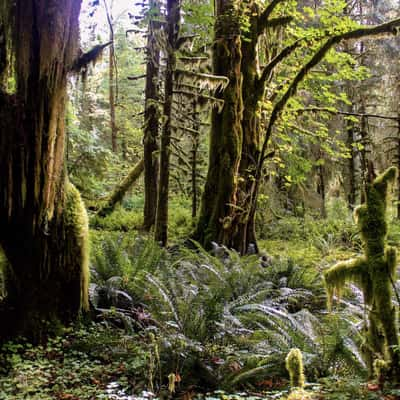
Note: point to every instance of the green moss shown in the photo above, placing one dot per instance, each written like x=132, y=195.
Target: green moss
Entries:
x=373, y=273
x=294, y=365
x=76, y=221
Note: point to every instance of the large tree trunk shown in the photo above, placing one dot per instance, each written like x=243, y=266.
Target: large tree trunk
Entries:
x=151, y=121
x=219, y=196
x=173, y=21
x=43, y=223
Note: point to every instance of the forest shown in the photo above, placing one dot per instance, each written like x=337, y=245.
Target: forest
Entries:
x=199, y=199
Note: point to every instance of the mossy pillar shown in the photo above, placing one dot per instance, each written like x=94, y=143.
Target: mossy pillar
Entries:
x=374, y=273
x=43, y=223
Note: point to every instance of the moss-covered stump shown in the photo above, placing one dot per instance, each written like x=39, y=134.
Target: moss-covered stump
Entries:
x=294, y=365
x=374, y=273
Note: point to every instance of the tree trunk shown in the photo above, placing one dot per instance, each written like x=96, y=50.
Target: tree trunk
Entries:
x=194, y=158
x=252, y=93
x=111, y=78
x=173, y=21
x=398, y=167
x=219, y=196
x=43, y=223
x=151, y=122
x=352, y=193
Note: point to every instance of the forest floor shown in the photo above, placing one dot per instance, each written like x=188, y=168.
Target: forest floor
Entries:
x=206, y=326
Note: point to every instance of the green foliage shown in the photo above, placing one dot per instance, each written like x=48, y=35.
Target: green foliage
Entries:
x=126, y=256
x=119, y=220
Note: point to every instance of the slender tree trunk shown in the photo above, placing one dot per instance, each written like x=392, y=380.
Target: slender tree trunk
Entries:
x=43, y=223
x=151, y=122
x=173, y=22
x=111, y=79
x=352, y=191
x=194, y=156
x=219, y=196
x=398, y=166
x=322, y=186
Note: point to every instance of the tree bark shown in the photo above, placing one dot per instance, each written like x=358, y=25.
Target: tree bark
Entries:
x=43, y=223
x=151, y=124
x=161, y=224
x=194, y=158
x=111, y=78
x=252, y=93
x=219, y=196
x=352, y=191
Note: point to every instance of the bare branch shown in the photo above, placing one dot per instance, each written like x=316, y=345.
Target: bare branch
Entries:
x=136, y=78
x=275, y=61
x=331, y=111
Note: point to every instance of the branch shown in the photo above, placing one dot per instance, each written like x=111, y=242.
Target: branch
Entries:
x=275, y=61
x=330, y=111
x=387, y=28
x=91, y=56
x=135, y=78
x=268, y=11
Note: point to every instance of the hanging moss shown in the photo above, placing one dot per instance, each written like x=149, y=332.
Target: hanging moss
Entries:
x=373, y=273
x=294, y=365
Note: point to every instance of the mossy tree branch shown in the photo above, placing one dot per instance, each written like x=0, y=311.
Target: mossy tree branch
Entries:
x=386, y=28
x=267, y=71
x=119, y=192
x=263, y=18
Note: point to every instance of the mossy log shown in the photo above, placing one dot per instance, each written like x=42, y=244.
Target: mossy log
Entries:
x=120, y=191
x=374, y=273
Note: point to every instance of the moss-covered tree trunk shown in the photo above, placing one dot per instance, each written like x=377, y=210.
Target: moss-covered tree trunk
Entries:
x=252, y=93
x=173, y=22
x=43, y=223
x=219, y=197
x=111, y=93
x=151, y=123
x=374, y=273
x=253, y=88
x=352, y=192
x=195, y=137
